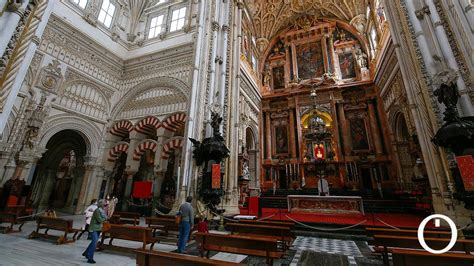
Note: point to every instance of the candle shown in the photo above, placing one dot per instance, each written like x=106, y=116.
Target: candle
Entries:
x=355, y=167
x=286, y=169
x=298, y=170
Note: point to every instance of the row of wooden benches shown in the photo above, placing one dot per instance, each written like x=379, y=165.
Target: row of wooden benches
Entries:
x=406, y=249
x=266, y=239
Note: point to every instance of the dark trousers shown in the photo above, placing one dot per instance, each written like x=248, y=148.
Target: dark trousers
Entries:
x=83, y=231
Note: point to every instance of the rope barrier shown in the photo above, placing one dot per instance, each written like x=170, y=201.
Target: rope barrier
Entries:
x=32, y=215
x=326, y=229
x=464, y=227
x=264, y=218
x=389, y=225
x=158, y=212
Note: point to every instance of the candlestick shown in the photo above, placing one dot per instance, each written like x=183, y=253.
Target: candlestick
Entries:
x=286, y=169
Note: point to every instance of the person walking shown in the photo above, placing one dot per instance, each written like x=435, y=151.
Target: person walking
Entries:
x=187, y=222
x=88, y=215
x=95, y=227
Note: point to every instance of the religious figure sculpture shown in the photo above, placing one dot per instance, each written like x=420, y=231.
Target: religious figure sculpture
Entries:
x=361, y=58
x=245, y=164
x=67, y=165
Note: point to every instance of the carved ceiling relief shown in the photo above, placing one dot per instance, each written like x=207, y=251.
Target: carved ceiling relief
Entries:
x=314, y=51
x=270, y=16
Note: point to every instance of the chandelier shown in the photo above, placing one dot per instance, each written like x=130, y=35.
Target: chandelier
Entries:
x=317, y=129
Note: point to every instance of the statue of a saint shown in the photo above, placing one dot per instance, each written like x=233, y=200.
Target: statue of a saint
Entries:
x=361, y=59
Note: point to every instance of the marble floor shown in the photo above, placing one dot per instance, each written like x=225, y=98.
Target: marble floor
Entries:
x=17, y=249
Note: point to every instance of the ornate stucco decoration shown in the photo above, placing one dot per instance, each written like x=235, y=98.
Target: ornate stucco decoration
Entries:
x=270, y=16
x=50, y=77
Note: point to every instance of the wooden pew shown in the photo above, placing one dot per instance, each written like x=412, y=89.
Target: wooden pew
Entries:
x=245, y=245
x=268, y=222
x=57, y=224
x=279, y=233
x=128, y=232
x=148, y=258
x=385, y=243
x=12, y=219
x=132, y=218
x=404, y=257
x=164, y=225
x=371, y=231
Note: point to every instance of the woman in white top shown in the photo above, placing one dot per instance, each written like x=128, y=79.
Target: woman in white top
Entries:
x=88, y=215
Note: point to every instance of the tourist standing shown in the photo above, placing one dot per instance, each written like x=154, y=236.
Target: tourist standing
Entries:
x=95, y=227
x=88, y=215
x=187, y=222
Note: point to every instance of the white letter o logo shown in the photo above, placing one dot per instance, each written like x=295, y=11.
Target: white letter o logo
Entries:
x=452, y=226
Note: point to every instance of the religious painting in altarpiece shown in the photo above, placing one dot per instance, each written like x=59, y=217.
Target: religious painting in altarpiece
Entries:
x=278, y=77
x=310, y=60
x=347, y=66
x=360, y=140
x=280, y=136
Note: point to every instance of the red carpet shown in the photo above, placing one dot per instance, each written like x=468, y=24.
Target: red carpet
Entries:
x=372, y=219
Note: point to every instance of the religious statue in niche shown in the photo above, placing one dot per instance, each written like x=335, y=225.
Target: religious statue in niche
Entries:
x=310, y=60
x=380, y=12
x=359, y=134
x=346, y=64
x=278, y=77
x=67, y=165
x=245, y=164
x=245, y=45
x=281, y=139
x=361, y=59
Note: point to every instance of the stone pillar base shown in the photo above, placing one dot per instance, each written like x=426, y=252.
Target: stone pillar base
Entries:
x=231, y=203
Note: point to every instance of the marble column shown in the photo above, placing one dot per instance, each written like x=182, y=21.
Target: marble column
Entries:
x=9, y=21
x=23, y=54
x=81, y=198
x=128, y=189
x=292, y=129
x=347, y=144
x=374, y=128
x=49, y=182
x=442, y=43
x=268, y=136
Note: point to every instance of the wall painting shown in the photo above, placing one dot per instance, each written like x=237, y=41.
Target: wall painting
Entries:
x=281, y=139
x=310, y=60
x=359, y=137
x=346, y=64
x=278, y=77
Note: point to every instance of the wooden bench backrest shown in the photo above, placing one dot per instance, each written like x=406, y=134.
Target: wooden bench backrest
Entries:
x=7, y=217
x=260, y=229
x=236, y=241
x=55, y=223
x=146, y=258
x=267, y=222
x=128, y=215
x=171, y=223
x=412, y=242
x=127, y=232
x=405, y=232
x=415, y=257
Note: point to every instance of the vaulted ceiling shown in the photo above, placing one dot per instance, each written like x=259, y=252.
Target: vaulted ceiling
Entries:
x=270, y=16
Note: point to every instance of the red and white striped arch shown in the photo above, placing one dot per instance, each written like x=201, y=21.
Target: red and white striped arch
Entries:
x=174, y=121
x=172, y=144
x=148, y=125
x=122, y=128
x=147, y=144
x=115, y=151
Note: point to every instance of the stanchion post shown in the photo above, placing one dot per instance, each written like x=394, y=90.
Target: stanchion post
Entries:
x=221, y=223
